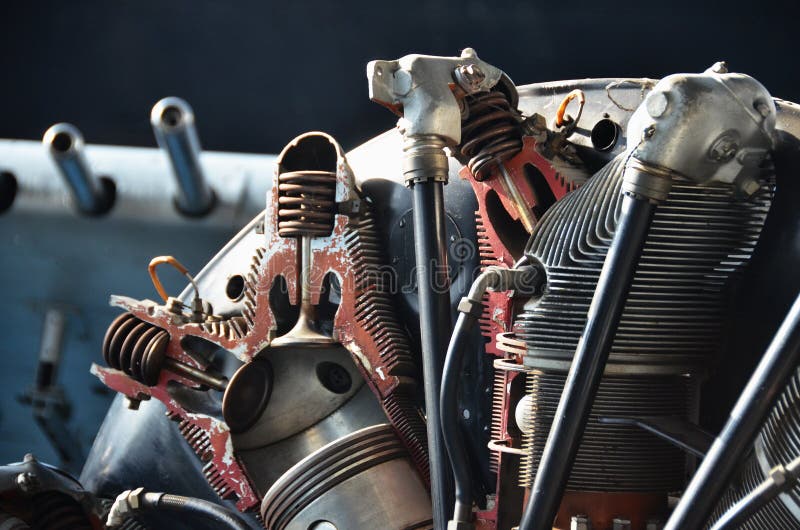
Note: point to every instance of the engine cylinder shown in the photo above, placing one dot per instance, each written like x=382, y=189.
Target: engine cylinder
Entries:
x=699, y=242
x=368, y=468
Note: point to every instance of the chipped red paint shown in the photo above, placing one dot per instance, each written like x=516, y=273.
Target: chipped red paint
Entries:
x=375, y=340
x=224, y=461
x=497, y=316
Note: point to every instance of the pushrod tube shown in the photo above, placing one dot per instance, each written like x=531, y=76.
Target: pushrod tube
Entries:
x=434, y=318
x=737, y=436
x=588, y=363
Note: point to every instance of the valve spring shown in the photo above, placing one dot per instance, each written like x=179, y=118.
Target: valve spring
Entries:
x=135, y=347
x=57, y=511
x=491, y=133
x=306, y=203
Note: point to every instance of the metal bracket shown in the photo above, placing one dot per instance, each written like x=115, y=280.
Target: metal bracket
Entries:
x=420, y=88
x=674, y=430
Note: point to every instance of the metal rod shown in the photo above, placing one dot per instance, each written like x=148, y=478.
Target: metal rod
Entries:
x=737, y=436
x=588, y=364
x=305, y=330
x=65, y=144
x=50, y=349
x=470, y=309
x=173, y=125
x=199, y=376
x=434, y=317
x=525, y=214
x=781, y=478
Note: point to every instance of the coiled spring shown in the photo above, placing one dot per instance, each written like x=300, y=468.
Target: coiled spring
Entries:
x=135, y=347
x=491, y=132
x=306, y=203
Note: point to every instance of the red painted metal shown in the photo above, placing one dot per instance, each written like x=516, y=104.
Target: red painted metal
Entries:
x=364, y=324
x=497, y=316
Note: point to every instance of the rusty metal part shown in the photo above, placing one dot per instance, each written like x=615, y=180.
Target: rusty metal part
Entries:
x=491, y=132
x=177, y=265
x=505, y=443
x=526, y=216
x=138, y=348
x=306, y=203
x=499, y=243
x=501, y=237
x=365, y=324
x=305, y=331
x=564, y=119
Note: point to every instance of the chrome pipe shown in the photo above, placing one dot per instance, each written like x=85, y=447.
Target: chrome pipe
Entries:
x=173, y=125
x=65, y=144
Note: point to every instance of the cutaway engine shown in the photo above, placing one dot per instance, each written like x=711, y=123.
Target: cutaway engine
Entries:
x=515, y=311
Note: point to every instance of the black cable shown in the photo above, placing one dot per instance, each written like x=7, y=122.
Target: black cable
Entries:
x=588, y=364
x=451, y=433
x=470, y=309
x=156, y=502
x=205, y=509
x=736, y=438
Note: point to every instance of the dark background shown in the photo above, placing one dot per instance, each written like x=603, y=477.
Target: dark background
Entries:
x=258, y=72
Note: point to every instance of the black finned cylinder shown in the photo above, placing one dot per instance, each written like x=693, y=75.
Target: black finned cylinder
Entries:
x=434, y=316
x=736, y=439
x=588, y=364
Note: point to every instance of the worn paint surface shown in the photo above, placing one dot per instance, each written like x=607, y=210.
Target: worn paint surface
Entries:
x=362, y=324
x=497, y=316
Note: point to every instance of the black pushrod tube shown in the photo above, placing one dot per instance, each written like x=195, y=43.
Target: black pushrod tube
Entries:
x=430, y=244
x=739, y=433
x=588, y=363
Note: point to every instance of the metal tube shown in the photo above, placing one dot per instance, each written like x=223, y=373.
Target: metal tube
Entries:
x=434, y=318
x=173, y=125
x=589, y=363
x=737, y=437
x=469, y=310
x=525, y=214
x=781, y=479
x=50, y=349
x=451, y=433
x=65, y=144
x=199, y=376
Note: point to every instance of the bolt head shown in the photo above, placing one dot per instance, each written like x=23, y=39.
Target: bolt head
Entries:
x=579, y=522
x=470, y=77
x=402, y=82
x=656, y=104
x=621, y=523
x=654, y=524
x=27, y=482
x=719, y=67
x=763, y=109
x=725, y=147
